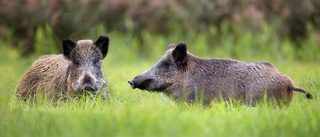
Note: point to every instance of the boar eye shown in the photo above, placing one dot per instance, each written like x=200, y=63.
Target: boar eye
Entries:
x=77, y=63
x=96, y=62
x=164, y=66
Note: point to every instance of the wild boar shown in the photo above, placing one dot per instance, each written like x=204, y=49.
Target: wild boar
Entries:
x=76, y=71
x=181, y=75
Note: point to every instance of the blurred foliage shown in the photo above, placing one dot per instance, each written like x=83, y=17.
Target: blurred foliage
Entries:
x=292, y=20
x=127, y=47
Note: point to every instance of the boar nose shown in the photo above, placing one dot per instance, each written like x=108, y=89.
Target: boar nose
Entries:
x=87, y=84
x=140, y=82
x=88, y=87
x=132, y=84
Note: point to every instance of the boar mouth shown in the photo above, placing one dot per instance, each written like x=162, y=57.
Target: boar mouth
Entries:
x=88, y=89
x=86, y=92
x=162, y=88
x=159, y=89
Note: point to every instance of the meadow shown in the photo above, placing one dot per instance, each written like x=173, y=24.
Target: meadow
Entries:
x=129, y=112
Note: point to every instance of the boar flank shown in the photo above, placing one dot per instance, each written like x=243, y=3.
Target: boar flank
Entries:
x=181, y=75
x=76, y=71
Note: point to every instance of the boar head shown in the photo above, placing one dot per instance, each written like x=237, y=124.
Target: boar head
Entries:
x=166, y=73
x=84, y=72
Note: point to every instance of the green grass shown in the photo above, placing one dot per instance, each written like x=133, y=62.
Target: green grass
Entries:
x=129, y=112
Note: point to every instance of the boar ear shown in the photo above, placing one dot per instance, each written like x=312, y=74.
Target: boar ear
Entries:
x=103, y=44
x=180, y=53
x=68, y=45
x=171, y=46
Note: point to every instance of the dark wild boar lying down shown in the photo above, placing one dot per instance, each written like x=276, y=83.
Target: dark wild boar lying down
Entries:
x=181, y=75
x=76, y=71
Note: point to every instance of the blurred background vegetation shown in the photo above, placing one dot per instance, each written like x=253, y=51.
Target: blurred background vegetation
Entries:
x=229, y=28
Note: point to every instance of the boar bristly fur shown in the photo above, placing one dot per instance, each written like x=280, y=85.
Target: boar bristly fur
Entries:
x=76, y=71
x=181, y=75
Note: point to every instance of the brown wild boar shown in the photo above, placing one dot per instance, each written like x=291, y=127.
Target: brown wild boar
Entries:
x=76, y=71
x=181, y=75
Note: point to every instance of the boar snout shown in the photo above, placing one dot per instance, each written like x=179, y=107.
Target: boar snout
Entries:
x=88, y=87
x=88, y=84
x=132, y=84
x=140, y=83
